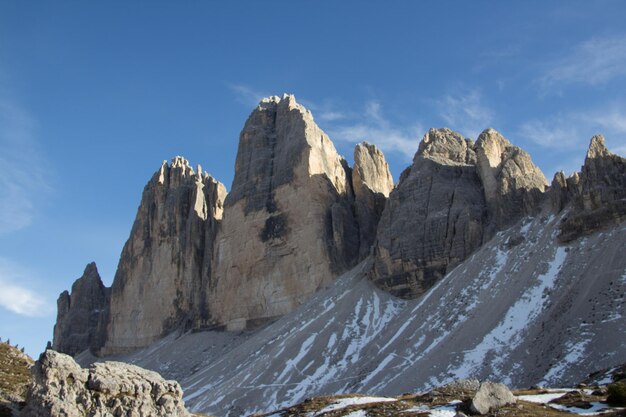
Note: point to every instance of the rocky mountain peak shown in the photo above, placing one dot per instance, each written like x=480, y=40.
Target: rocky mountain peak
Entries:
x=512, y=183
x=371, y=169
x=82, y=316
x=597, y=148
x=164, y=269
x=598, y=192
x=290, y=207
x=446, y=146
x=91, y=272
x=372, y=183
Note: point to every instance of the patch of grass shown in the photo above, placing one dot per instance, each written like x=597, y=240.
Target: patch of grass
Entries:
x=14, y=371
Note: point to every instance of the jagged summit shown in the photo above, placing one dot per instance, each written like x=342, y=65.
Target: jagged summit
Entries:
x=456, y=196
x=290, y=207
x=447, y=147
x=164, y=268
x=597, y=148
x=82, y=316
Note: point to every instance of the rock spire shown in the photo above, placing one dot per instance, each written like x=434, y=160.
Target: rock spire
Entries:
x=82, y=316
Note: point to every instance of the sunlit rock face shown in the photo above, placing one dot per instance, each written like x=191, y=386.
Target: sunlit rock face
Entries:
x=288, y=225
x=165, y=267
x=372, y=184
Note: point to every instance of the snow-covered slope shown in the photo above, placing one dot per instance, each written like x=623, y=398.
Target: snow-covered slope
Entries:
x=522, y=310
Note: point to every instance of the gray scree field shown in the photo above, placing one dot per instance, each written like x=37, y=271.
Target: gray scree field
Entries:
x=522, y=310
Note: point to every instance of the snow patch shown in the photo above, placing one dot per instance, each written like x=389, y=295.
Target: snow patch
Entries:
x=508, y=333
x=345, y=402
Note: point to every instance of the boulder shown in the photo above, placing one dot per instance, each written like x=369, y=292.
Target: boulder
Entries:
x=490, y=397
x=372, y=184
x=165, y=266
x=288, y=227
x=62, y=388
x=82, y=316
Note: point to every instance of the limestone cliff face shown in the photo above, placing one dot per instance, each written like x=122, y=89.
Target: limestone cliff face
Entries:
x=165, y=267
x=83, y=315
x=454, y=197
x=597, y=193
x=512, y=184
x=288, y=225
x=372, y=184
x=434, y=218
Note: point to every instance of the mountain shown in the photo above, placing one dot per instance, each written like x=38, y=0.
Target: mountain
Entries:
x=199, y=258
x=523, y=309
x=312, y=277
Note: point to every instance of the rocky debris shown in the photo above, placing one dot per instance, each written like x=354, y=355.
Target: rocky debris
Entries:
x=455, y=196
x=288, y=226
x=512, y=184
x=439, y=402
x=372, y=184
x=490, y=397
x=62, y=388
x=434, y=218
x=461, y=387
x=598, y=192
x=165, y=267
x=82, y=316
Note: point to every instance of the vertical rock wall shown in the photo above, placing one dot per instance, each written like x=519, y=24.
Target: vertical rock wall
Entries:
x=372, y=184
x=288, y=225
x=453, y=198
x=82, y=316
x=165, y=267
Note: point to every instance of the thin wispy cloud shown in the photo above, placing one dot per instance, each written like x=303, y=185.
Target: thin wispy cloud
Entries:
x=247, y=95
x=465, y=112
x=372, y=126
x=16, y=297
x=573, y=130
x=594, y=61
x=23, y=177
x=567, y=135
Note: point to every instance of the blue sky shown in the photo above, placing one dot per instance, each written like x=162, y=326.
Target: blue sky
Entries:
x=95, y=95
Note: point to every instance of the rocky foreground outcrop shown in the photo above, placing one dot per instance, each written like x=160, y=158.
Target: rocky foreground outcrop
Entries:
x=453, y=198
x=62, y=388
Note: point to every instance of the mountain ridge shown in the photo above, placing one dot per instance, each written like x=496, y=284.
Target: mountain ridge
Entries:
x=472, y=233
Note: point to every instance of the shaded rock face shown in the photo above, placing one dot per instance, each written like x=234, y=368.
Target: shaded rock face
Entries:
x=434, y=218
x=455, y=196
x=598, y=192
x=165, y=266
x=83, y=315
x=512, y=184
x=372, y=184
x=63, y=388
x=288, y=225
